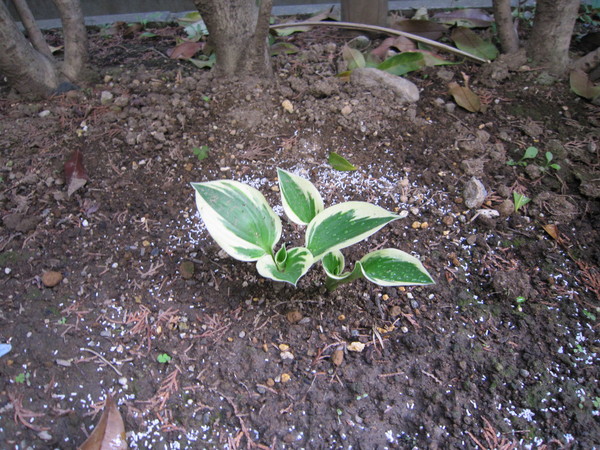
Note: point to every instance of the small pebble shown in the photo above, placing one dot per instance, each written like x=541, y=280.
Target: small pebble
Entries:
x=51, y=278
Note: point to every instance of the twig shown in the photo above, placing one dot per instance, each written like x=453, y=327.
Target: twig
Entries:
x=363, y=27
x=103, y=359
x=22, y=414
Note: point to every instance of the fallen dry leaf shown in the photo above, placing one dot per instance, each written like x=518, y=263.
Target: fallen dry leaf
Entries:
x=75, y=173
x=185, y=50
x=552, y=230
x=465, y=97
x=109, y=434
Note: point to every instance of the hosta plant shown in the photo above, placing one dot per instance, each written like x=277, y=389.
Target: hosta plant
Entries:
x=241, y=221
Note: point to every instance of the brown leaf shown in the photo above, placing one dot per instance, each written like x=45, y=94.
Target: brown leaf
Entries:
x=75, y=173
x=185, y=50
x=109, y=434
x=423, y=28
x=465, y=97
x=552, y=230
x=401, y=43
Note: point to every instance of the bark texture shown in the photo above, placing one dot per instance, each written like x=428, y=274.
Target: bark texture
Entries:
x=509, y=40
x=76, y=47
x=238, y=30
x=551, y=35
x=26, y=69
x=33, y=31
x=31, y=69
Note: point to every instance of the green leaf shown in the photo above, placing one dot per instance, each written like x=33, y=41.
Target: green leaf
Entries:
x=468, y=41
x=204, y=63
x=340, y=163
x=344, y=224
x=300, y=198
x=298, y=261
x=403, y=63
x=333, y=264
x=238, y=218
x=287, y=31
x=530, y=153
x=163, y=358
x=354, y=58
x=201, y=152
x=283, y=48
x=393, y=267
x=520, y=200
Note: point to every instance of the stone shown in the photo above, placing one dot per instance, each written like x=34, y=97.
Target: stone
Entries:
x=106, y=97
x=338, y=357
x=51, y=278
x=294, y=316
x=473, y=167
x=405, y=91
x=506, y=208
x=186, y=268
x=474, y=193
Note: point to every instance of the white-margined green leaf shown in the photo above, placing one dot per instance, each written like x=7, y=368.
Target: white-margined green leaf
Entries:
x=393, y=267
x=344, y=224
x=300, y=198
x=333, y=264
x=238, y=217
x=297, y=263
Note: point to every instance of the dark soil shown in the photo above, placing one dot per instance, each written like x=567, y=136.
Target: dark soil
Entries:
x=501, y=352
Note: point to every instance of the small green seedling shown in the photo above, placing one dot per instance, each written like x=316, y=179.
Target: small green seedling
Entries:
x=519, y=301
x=163, y=358
x=520, y=200
x=62, y=321
x=20, y=378
x=201, y=152
x=241, y=221
x=589, y=315
x=530, y=153
x=596, y=402
x=549, y=164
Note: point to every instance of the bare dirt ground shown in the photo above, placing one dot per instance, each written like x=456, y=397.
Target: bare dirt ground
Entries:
x=502, y=352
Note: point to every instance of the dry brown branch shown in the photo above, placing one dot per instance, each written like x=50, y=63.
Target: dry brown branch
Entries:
x=21, y=414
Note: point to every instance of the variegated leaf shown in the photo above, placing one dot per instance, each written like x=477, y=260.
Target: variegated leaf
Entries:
x=344, y=224
x=238, y=218
x=393, y=267
x=333, y=264
x=298, y=261
x=300, y=198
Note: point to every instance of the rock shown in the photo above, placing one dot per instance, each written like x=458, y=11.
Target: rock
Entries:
x=294, y=316
x=346, y=110
x=356, y=346
x=106, y=97
x=473, y=167
x=474, y=193
x=506, y=208
x=338, y=357
x=533, y=171
x=51, y=278
x=445, y=74
x=186, y=269
x=369, y=78
x=44, y=435
x=324, y=88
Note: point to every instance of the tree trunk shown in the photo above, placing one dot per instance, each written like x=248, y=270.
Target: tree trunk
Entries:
x=238, y=30
x=370, y=12
x=75, y=35
x=551, y=35
x=27, y=70
x=33, y=31
x=509, y=40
